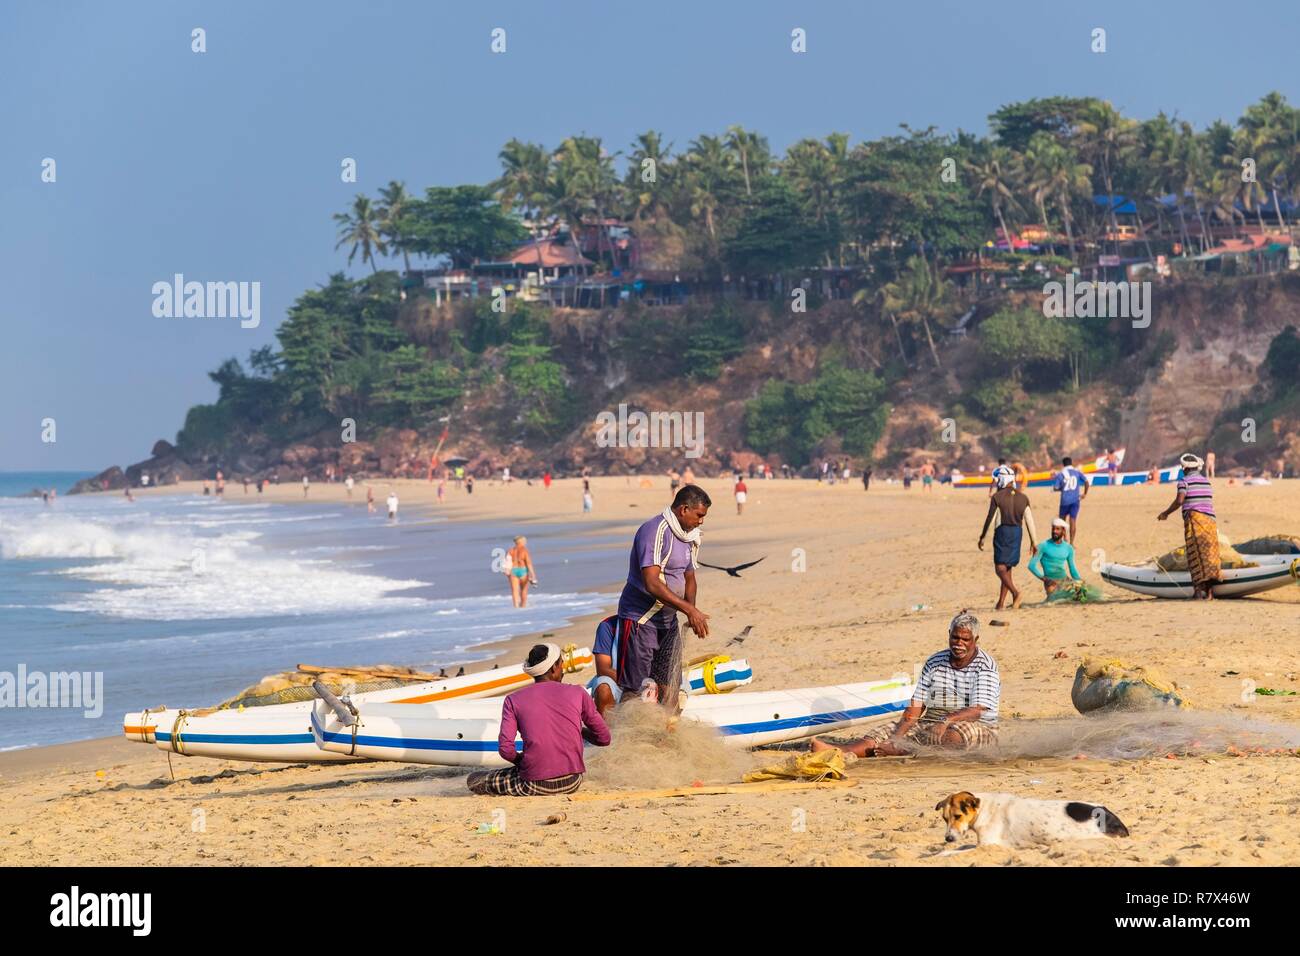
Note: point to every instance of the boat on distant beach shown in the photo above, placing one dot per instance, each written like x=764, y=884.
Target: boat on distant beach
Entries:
x=464, y=733
x=1042, y=479
x=1160, y=476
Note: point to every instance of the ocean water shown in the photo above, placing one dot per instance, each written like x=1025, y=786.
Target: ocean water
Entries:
x=184, y=600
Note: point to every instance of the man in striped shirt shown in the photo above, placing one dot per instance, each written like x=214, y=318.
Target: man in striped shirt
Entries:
x=1195, y=497
x=955, y=703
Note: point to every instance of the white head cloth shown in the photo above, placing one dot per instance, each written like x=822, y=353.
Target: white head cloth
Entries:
x=552, y=656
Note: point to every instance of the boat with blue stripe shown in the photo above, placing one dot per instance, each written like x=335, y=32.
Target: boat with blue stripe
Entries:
x=464, y=733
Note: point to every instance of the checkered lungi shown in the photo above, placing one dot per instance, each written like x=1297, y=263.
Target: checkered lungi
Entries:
x=508, y=783
x=974, y=733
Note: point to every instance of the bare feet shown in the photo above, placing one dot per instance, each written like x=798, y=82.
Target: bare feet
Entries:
x=815, y=744
x=1015, y=602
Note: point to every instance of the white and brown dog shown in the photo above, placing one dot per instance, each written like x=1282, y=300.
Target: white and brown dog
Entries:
x=1001, y=819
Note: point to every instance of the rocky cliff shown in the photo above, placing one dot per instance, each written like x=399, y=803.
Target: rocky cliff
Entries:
x=1185, y=383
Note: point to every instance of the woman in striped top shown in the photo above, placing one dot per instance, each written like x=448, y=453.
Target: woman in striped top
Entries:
x=1200, y=531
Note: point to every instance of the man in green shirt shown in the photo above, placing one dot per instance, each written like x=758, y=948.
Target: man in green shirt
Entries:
x=1053, y=558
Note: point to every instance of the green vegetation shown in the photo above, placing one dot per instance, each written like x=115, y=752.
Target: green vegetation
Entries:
x=1283, y=360
x=889, y=216
x=792, y=420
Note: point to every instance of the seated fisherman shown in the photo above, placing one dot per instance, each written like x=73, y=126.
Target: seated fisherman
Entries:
x=1050, y=563
x=604, y=686
x=553, y=718
x=955, y=704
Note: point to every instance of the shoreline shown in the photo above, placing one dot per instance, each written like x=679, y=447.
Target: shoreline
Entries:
x=503, y=651
x=835, y=600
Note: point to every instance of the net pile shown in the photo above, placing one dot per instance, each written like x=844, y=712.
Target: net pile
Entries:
x=1271, y=544
x=1229, y=557
x=293, y=686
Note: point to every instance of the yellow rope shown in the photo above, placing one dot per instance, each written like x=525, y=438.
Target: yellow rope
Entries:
x=177, y=746
x=710, y=666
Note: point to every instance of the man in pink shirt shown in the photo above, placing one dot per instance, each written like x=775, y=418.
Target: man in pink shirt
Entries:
x=553, y=718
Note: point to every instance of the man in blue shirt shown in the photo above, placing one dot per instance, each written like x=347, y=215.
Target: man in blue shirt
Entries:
x=1073, y=486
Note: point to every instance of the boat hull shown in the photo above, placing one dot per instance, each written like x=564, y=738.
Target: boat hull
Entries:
x=1272, y=571
x=464, y=733
x=140, y=726
x=1041, y=479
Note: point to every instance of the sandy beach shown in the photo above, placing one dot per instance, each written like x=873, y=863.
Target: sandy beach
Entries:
x=869, y=560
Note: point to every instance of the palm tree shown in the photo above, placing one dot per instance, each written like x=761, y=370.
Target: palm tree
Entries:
x=1193, y=171
x=752, y=151
x=995, y=174
x=1161, y=143
x=1272, y=132
x=711, y=172
x=888, y=306
x=816, y=171
x=1247, y=144
x=523, y=184
x=917, y=295
x=360, y=229
x=584, y=181
x=645, y=199
x=1106, y=138
x=395, y=200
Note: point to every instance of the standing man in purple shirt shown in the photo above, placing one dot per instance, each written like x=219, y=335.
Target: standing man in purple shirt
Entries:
x=660, y=582
x=553, y=718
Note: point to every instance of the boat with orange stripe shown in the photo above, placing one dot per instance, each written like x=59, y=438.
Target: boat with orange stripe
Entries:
x=1037, y=479
x=141, y=726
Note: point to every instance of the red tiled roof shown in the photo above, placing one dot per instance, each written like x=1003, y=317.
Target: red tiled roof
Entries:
x=554, y=254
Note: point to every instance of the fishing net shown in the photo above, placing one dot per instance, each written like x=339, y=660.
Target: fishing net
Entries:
x=1229, y=557
x=1101, y=684
x=1135, y=735
x=1079, y=593
x=651, y=749
x=293, y=686
x=1271, y=544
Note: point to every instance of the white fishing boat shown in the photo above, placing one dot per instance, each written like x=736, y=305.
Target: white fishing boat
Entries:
x=282, y=733
x=464, y=733
x=1267, y=571
x=141, y=726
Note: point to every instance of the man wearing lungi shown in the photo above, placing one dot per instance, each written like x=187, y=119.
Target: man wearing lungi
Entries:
x=1012, y=510
x=646, y=647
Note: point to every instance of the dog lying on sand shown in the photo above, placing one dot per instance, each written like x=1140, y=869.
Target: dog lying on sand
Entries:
x=1001, y=819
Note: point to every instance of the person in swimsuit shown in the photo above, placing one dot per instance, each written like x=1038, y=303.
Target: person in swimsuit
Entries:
x=1112, y=470
x=521, y=571
x=1012, y=508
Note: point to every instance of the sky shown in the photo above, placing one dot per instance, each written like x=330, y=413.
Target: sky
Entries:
x=225, y=165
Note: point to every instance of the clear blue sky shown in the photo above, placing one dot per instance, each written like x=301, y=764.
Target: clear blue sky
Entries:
x=225, y=165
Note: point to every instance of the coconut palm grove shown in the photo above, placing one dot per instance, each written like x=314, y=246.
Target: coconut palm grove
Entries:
x=681, y=256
